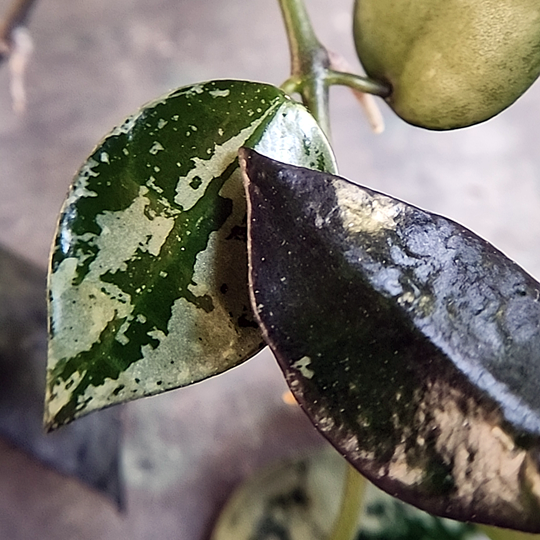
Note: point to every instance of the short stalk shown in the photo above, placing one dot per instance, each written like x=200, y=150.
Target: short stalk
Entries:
x=357, y=82
x=292, y=85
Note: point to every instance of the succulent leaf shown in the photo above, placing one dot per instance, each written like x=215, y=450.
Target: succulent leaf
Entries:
x=412, y=344
x=148, y=280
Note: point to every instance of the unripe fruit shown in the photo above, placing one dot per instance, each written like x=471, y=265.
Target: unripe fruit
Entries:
x=451, y=63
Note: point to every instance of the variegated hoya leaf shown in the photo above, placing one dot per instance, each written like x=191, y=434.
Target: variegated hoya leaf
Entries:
x=301, y=498
x=148, y=280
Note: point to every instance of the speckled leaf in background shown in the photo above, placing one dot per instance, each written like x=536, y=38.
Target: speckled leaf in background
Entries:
x=148, y=281
x=300, y=499
x=412, y=344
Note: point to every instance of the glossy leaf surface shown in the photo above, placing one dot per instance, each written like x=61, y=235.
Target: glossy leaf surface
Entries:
x=412, y=343
x=148, y=285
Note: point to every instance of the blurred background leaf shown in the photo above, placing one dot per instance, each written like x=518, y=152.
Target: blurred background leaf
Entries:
x=88, y=450
x=299, y=500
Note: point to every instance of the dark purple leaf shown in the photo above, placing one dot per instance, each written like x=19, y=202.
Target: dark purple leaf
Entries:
x=411, y=343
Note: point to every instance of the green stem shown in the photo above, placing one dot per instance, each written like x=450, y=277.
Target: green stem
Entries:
x=309, y=61
x=356, y=82
x=292, y=85
x=311, y=66
x=303, y=43
x=345, y=527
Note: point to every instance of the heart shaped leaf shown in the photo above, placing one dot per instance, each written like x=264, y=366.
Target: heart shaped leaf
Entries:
x=411, y=343
x=148, y=285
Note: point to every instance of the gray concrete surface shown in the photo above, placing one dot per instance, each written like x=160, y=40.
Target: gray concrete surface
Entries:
x=96, y=61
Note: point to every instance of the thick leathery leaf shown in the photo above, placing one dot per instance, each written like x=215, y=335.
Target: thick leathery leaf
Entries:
x=88, y=450
x=412, y=343
x=294, y=500
x=300, y=499
x=148, y=285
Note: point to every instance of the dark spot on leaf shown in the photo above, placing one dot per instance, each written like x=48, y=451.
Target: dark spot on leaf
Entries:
x=440, y=476
x=204, y=302
x=117, y=390
x=269, y=527
x=238, y=232
x=245, y=322
x=196, y=182
x=296, y=497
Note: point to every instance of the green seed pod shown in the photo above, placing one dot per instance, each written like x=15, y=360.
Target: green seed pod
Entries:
x=451, y=63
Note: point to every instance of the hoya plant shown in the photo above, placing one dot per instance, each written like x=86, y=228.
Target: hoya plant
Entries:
x=212, y=223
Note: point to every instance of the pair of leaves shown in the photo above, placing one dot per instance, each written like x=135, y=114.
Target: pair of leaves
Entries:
x=410, y=342
x=148, y=285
